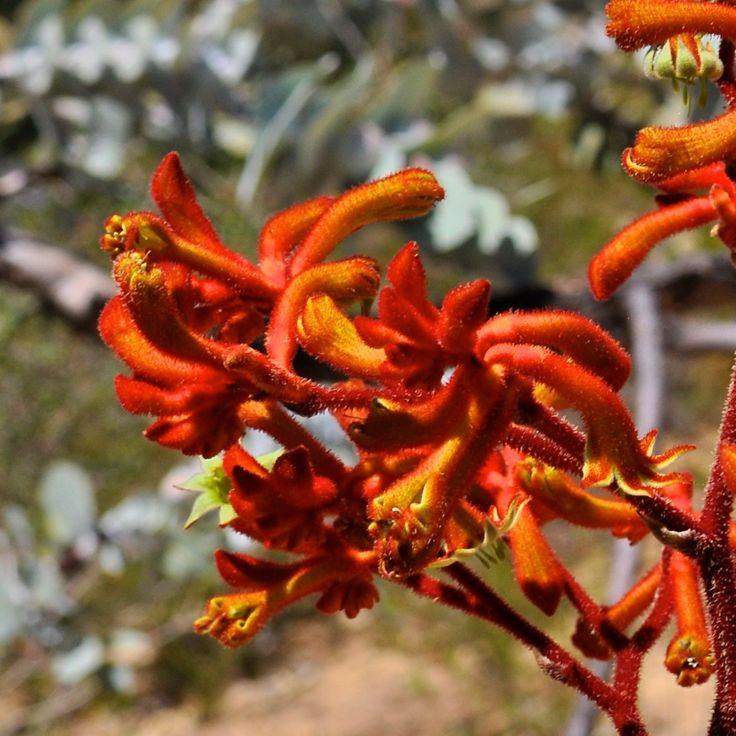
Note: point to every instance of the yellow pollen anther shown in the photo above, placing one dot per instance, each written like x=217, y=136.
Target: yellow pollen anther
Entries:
x=149, y=239
x=113, y=241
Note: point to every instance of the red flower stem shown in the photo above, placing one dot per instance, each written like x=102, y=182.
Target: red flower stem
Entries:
x=629, y=659
x=270, y=417
x=558, y=429
x=593, y=614
x=534, y=443
x=669, y=518
x=479, y=600
x=719, y=576
x=719, y=500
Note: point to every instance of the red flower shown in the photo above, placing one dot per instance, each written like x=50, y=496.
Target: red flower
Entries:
x=265, y=588
x=453, y=416
x=285, y=507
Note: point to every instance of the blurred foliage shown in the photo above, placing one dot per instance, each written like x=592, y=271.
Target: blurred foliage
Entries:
x=316, y=91
x=106, y=595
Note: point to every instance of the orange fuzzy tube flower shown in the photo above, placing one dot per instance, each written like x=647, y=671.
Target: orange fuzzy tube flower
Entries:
x=618, y=617
x=177, y=374
x=613, y=453
x=265, y=588
x=621, y=255
x=562, y=497
x=570, y=333
x=638, y=23
x=391, y=425
x=352, y=279
x=184, y=234
x=625, y=611
x=679, y=160
x=659, y=153
x=326, y=332
x=407, y=194
x=698, y=179
x=689, y=654
x=536, y=567
x=283, y=508
x=410, y=515
x=283, y=232
x=144, y=291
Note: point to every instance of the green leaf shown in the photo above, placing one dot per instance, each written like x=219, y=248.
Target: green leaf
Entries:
x=204, y=503
x=213, y=487
x=493, y=547
x=227, y=514
x=268, y=460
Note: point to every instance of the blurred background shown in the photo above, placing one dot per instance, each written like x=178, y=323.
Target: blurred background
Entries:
x=520, y=107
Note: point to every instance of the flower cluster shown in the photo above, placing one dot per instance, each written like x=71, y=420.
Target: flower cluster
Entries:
x=454, y=416
x=690, y=166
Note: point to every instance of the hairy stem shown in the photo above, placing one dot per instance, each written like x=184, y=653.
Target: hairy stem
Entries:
x=477, y=599
x=629, y=660
x=719, y=577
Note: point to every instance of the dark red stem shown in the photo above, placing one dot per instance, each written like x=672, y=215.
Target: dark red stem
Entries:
x=719, y=577
x=476, y=598
x=592, y=614
x=629, y=659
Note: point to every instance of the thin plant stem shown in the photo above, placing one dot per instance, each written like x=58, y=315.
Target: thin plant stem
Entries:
x=627, y=673
x=719, y=576
x=477, y=599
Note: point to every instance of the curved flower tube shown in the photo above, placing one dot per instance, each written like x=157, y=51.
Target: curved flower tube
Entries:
x=689, y=654
x=570, y=333
x=613, y=453
x=353, y=279
x=562, y=498
x=407, y=194
x=185, y=234
x=660, y=153
x=266, y=588
x=621, y=255
x=635, y=25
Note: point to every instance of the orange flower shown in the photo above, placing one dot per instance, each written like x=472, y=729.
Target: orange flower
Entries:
x=561, y=497
x=680, y=210
x=638, y=23
x=660, y=153
x=689, y=655
x=266, y=588
x=621, y=255
x=677, y=160
x=595, y=641
x=539, y=573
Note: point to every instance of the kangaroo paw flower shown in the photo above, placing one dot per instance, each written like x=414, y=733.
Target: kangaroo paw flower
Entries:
x=689, y=655
x=266, y=588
